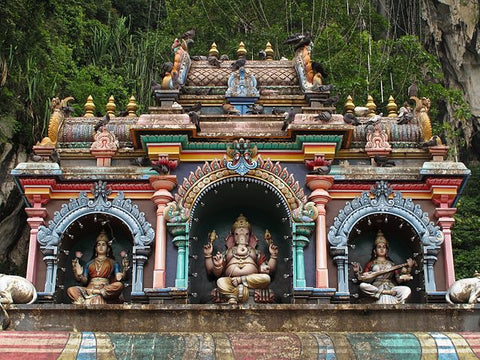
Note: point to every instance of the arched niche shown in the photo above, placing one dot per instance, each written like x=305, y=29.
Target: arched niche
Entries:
x=213, y=196
x=217, y=207
x=141, y=232
x=353, y=217
x=80, y=236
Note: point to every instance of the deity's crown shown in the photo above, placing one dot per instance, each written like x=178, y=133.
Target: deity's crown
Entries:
x=102, y=236
x=241, y=222
x=380, y=238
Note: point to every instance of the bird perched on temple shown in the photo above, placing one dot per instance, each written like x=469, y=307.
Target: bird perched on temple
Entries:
x=434, y=141
x=198, y=57
x=238, y=64
x=375, y=119
x=324, y=116
x=319, y=166
x=155, y=86
x=351, y=119
x=321, y=170
x=162, y=169
x=412, y=90
x=262, y=55
x=323, y=88
x=141, y=161
x=230, y=109
x=276, y=111
x=289, y=117
x=331, y=101
x=405, y=114
x=195, y=119
x=188, y=38
x=361, y=110
x=299, y=40
x=213, y=61
x=102, y=122
x=196, y=107
x=383, y=161
x=255, y=109
x=224, y=57
x=55, y=157
x=318, y=68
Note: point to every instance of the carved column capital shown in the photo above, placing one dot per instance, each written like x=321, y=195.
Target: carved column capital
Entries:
x=319, y=184
x=445, y=217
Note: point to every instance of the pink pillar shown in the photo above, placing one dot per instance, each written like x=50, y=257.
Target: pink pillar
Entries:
x=446, y=221
x=319, y=185
x=163, y=184
x=36, y=217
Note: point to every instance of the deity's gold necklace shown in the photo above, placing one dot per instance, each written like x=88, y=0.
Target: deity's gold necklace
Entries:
x=98, y=265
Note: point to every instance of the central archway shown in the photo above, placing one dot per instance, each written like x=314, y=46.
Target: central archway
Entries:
x=217, y=207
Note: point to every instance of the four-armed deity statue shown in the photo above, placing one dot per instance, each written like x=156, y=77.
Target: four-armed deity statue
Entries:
x=101, y=276
x=380, y=277
x=241, y=267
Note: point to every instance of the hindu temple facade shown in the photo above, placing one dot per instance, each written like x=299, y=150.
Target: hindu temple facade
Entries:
x=323, y=186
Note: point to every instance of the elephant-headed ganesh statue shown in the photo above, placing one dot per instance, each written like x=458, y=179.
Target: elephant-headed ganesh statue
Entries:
x=241, y=266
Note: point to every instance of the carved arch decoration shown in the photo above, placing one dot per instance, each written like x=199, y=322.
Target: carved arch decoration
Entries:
x=430, y=235
x=270, y=175
x=266, y=171
x=142, y=232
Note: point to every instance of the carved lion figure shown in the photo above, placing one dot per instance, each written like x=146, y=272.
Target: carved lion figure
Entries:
x=464, y=291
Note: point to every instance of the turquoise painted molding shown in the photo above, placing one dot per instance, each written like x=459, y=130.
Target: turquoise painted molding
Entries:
x=188, y=145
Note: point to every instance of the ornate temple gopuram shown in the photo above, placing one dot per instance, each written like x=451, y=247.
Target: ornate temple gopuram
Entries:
x=243, y=205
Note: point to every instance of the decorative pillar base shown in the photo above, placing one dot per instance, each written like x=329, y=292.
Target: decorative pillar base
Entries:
x=438, y=152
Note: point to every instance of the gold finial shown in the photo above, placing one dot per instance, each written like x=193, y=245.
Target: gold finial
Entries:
x=111, y=107
x=371, y=106
x=269, y=51
x=392, y=107
x=213, y=50
x=89, y=107
x=241, y=51
x=349, y=105
x=132, y=107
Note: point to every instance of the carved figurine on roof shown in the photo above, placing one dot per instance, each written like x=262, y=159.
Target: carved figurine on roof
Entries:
x=242, y=90
x=176, y=74
x=60, y=110
x=311, y=73
x=422, y=107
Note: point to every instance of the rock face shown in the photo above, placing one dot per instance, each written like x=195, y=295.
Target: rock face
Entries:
x=14, y=231
x=453, y=34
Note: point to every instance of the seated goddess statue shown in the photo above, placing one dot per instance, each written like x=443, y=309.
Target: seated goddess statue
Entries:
x=101, y=275
x=241, y=267
x=381, y=276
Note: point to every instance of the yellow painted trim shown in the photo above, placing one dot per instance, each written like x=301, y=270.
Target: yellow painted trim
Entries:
x=339, y=195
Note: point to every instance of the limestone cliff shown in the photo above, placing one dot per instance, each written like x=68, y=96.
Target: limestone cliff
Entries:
x=14, y=231
x=452, y=32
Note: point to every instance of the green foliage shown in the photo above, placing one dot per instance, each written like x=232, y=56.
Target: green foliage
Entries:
x=115, y=47
x=466, y=237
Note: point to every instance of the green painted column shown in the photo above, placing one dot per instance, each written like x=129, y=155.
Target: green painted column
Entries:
x=301, y=233
x=180, y=232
